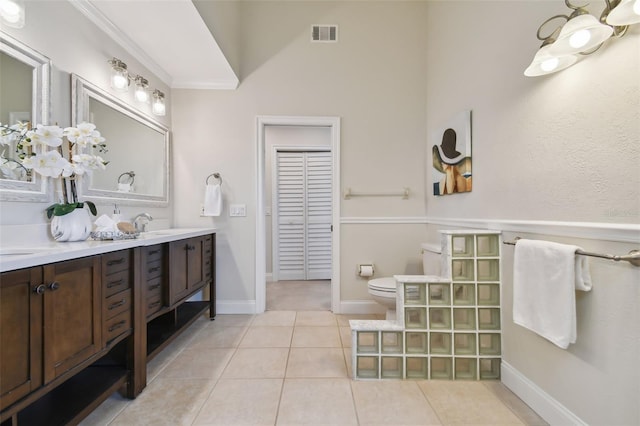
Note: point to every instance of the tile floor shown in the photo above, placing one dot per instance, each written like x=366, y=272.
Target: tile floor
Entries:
x=293, y=368
x=310, y=295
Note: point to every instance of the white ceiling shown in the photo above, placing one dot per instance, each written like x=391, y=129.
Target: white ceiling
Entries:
x=168, y=37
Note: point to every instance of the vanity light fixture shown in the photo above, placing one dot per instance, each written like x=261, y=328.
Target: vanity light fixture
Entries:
x=12, y=13
x=625, y=13
x=119, y=75
x=581, y=34
x=158, y=106
x=121, y=78
x=141, y=94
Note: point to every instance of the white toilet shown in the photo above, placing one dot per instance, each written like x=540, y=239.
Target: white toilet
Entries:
x=383, y=290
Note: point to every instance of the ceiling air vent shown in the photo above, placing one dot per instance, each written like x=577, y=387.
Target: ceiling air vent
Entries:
x=324, y=33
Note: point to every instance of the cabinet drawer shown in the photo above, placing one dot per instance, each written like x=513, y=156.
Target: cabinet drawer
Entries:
x=154, y=287
x=154, y=304
x=118, y=303
x=117, y=325
x=115, y=283
x=154, y=269
x=153, y=253
x=115, y=262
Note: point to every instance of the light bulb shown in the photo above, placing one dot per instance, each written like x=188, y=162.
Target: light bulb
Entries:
x=158, y=106
x=141, y=95
x=12, y=13
x=636, y=7
x=118, y=81
x=549, y=64
x=579, y=38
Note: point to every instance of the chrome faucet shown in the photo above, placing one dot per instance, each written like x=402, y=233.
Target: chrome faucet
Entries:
x=140, y=221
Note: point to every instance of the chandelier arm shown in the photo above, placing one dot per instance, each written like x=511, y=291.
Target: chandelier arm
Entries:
x=551, y=37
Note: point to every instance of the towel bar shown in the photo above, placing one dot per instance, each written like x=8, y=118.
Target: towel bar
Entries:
x=404, y=194
x=214, y=175
x=633, y=257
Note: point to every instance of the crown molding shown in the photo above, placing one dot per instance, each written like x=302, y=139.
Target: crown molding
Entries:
x=101, y=21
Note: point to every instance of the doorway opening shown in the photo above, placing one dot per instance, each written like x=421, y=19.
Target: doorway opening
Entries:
x=264, y=248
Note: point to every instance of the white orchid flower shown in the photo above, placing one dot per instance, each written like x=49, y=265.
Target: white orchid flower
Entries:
x=51, y=163
x=46, y=135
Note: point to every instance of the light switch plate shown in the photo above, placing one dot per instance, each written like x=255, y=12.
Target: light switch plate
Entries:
x=238, y=210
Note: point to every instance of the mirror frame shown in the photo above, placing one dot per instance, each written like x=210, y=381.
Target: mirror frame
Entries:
x=81, y=92
x=37, y=189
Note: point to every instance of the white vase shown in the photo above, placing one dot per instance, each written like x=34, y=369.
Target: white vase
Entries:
x=74, y=226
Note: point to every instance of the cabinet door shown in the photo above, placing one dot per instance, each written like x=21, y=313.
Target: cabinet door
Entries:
x=20, y=334
x=186, y=267
x=72, y=314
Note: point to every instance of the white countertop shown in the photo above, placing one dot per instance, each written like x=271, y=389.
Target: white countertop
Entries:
x=23, y=255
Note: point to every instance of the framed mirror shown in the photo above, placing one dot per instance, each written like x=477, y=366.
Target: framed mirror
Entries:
x=25, y=95
x=137, y=149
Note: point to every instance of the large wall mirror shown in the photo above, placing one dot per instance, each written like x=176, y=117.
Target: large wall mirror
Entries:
x=24, y=96
x=138, y=149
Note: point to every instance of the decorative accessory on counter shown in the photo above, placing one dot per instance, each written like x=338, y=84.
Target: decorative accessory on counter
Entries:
x=111, y=228
x=61, y=154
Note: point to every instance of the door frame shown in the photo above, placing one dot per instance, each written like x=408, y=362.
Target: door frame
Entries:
x=260, y=248
x=275, y=236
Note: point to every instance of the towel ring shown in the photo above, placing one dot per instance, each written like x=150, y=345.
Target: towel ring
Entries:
x=215, y=175
x=132, y=177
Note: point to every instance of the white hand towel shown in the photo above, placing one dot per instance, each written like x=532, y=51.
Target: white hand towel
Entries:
x=545, y=278
x=213, y=200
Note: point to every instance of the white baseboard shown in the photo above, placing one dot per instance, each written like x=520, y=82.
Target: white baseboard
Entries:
x=360, y=307
x=541, y=402
x=235, y=307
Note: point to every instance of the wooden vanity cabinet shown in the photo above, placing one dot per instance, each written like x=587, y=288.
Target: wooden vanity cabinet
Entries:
x=72, y=314
x=20, y=334
x=186, y=269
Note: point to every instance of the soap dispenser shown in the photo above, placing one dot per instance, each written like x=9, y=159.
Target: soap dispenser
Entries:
x=116, y=214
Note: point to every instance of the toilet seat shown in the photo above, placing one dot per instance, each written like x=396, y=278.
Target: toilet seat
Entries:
x=385, y=284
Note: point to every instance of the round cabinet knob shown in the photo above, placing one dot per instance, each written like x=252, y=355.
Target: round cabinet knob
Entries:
x=54, y=286
x=39, y=289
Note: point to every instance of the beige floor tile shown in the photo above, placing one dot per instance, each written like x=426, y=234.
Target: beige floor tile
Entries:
x=515, y=404
x=316, y=402
x=257, y=363
x=275, y=318
x=242, y=402
x=198, y=363
x=348, y=357
x=392, y=402
x=166, y=402
x=315, y=318
x=298, y=295
x=218, y=337
x=316, y=362
x=316, y=337
x=232, y=320
x=267, y=337
x=345, y=336
x=462, y=402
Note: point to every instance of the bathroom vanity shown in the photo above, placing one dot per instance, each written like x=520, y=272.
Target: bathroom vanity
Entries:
x=80, y=321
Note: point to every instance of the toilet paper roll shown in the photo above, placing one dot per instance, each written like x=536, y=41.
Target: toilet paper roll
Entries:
x=365, y=270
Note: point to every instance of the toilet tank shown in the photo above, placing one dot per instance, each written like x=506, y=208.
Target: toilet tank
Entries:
x=431, y=258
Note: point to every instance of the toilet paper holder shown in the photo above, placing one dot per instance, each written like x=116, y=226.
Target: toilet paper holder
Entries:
x=366, y=270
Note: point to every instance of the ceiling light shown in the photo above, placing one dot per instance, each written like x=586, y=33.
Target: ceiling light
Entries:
x=627, y=12
x=545, y=62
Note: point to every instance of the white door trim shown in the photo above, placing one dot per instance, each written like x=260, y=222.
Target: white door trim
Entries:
x=260, y=248
x=274, y=184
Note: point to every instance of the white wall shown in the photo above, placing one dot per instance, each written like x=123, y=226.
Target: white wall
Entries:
x=374, y=79
x=559, y=148
x=75, y=45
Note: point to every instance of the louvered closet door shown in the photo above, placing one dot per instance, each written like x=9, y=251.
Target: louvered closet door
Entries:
x=303, y=201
